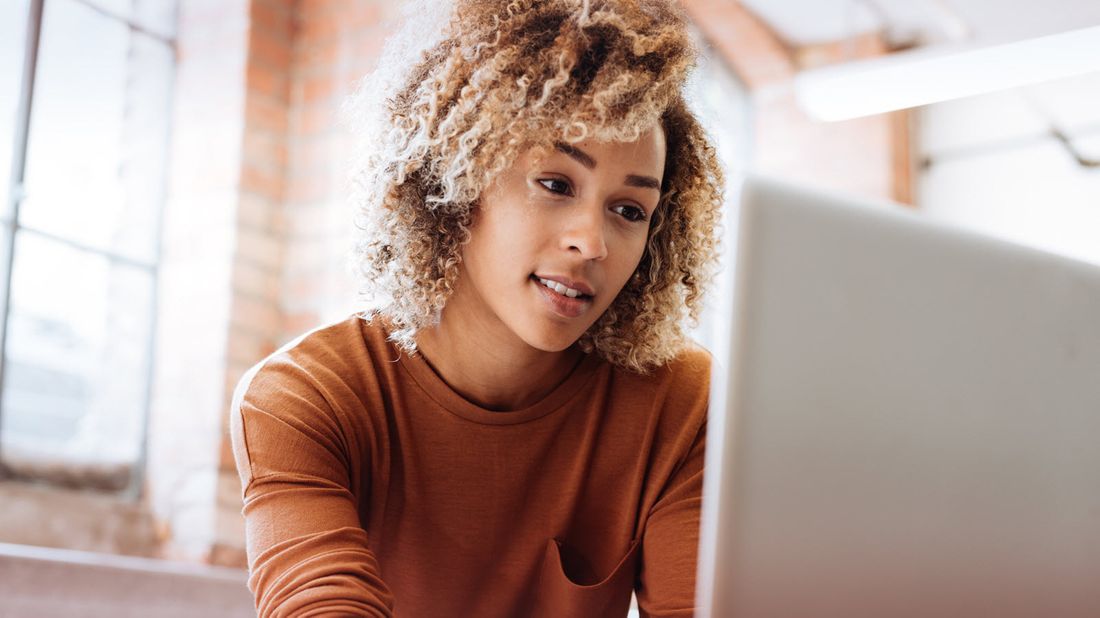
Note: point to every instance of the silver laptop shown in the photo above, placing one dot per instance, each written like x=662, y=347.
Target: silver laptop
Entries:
x=908, y=422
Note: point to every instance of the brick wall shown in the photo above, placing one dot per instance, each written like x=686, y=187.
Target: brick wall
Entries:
x=293, y=229
x=255, y=323
x=337, y=43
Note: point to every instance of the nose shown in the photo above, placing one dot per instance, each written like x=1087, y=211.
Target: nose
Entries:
x=584, y=233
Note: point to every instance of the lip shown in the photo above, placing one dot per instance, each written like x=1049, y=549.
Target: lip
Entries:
x=562, y=305
x=579, y=286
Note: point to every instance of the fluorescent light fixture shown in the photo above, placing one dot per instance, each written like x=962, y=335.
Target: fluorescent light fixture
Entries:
x=909, y=79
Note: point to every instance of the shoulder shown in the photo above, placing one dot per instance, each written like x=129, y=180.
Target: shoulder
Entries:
x=301, y=355
x=688, y=379
x=316, y=387
x=691, y=365
x=328, y=362
x=678, y=392
x=665, y=411
x=688, y=372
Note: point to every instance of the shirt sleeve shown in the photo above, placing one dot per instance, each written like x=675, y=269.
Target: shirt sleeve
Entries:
x=307, y=551
x=670, y=542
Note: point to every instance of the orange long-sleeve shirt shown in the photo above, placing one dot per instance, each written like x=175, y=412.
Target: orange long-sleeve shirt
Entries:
x=371, y=488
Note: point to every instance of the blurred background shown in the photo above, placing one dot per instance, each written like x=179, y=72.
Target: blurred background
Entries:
x=173, y=181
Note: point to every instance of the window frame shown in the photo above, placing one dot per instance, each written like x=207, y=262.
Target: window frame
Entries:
x=12, y=229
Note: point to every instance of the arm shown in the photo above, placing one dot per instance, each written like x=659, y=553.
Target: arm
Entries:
x=307, y=552
x=670, y=543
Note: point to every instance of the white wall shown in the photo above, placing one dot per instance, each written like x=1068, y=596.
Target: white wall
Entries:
x=996, y=168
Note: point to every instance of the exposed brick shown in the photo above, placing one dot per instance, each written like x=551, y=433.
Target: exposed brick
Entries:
x=266, y=180
x=307, y=256
x=259, y=247
x=271, y=49
x=309, y=287
x=226, y=556
x=254, y=280
x=311, y=119
x=268, y=153
x=367, y=48
x=317, y=88
x=300, y=322
x=267, y=114
x=268, y=81
x=325, y=7
x=36, y=514
x=320, y=55
x=318, y=25
x=226, y=460
x=250, y=345
x=313, y=154
x=307, y=187
x=275, y=18
x=309, y=221
x=364, y=16
x=253, y=315
x=260, y=212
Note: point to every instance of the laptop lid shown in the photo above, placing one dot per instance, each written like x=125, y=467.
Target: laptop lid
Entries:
x=908, y=423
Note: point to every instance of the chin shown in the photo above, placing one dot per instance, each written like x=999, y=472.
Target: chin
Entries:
x=551, y=341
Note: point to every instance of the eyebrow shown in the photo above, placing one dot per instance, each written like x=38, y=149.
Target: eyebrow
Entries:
x=582, y=157
x=576, y=153
x=646, y=182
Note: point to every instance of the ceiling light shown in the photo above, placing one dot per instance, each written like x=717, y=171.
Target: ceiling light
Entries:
x=940, y=73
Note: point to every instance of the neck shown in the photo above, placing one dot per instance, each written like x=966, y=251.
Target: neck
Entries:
x=491, y=367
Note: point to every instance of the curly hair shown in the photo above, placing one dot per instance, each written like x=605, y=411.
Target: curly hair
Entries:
x=500, y=79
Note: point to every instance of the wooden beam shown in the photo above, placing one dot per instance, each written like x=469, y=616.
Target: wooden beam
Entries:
x=754, y=52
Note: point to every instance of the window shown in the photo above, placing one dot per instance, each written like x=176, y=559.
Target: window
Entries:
x=80, y=224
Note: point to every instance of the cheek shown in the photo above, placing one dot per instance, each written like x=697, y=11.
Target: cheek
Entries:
x=622, y=266
x=502, y=242
x=632, y=254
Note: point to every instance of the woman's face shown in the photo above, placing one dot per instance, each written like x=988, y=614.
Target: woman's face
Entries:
x=578, y=219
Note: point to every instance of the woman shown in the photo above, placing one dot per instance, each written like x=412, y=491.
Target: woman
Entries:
x=517, y=427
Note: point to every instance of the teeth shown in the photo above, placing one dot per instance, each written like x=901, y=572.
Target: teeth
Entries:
x=559, y=288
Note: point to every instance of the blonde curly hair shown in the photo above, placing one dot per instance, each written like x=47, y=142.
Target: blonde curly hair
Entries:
x=502, y=78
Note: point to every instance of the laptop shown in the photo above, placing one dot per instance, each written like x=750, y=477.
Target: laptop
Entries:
x=907, y=423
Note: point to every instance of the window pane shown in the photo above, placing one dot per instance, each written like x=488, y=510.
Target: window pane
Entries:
x=158, y=16
x=76, y=363
x=13, y=31
x=98, y=135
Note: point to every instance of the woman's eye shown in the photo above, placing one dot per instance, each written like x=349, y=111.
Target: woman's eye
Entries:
x=555, y=185
x=630, y=213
